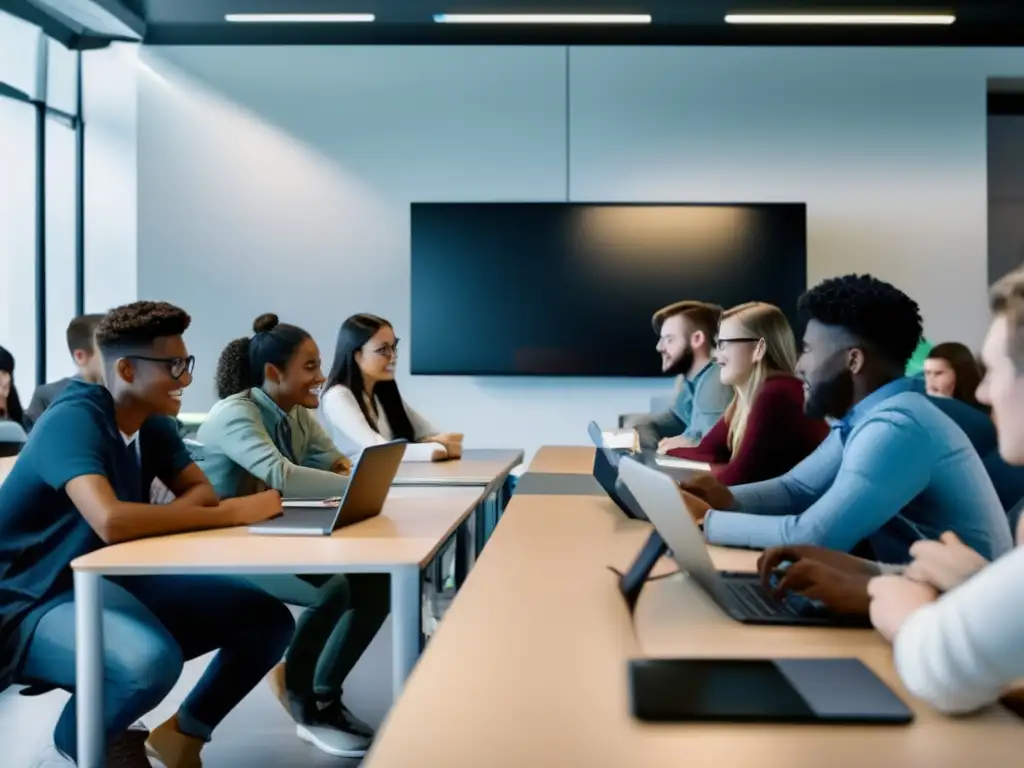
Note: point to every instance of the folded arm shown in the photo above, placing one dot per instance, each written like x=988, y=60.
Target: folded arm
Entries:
x=244, y=440
x=959, y=653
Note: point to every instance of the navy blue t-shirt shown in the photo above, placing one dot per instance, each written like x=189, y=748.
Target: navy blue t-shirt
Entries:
x=41, y=531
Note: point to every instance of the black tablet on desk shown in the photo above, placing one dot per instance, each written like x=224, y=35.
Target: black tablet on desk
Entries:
x=825, y=691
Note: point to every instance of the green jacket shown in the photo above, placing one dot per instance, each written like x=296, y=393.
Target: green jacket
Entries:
x=250, y=445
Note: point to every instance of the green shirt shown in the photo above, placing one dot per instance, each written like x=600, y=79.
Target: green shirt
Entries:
x=250, y=445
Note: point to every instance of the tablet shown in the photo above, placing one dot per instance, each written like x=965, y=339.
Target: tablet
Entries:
x=826, y=691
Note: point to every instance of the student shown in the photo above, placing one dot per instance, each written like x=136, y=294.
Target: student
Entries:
x=10, y=403
x=82, y=346
x=263, y=434
x=362, y=405
x=959, y=652
x=686, y=331
x=765, y=431
x=82, y=483
x=895, y=469
x=951, y=370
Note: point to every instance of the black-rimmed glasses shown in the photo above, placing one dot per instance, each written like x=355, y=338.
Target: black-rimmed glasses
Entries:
x=176, y=366
x=721, y=344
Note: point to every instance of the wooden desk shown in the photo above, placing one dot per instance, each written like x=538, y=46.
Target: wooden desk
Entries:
x=529, y=667
x=404, y=538
x=572, y=459
x=476, y=468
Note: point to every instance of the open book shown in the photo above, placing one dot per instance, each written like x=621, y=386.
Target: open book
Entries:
x=674, y=463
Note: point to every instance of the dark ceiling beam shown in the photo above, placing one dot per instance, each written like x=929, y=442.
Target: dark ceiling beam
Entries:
x=220, y=33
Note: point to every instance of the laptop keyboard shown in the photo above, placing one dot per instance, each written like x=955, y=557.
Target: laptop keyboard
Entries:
x=756, y=601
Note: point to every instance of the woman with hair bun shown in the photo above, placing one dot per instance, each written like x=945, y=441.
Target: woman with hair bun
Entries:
x=263, y=433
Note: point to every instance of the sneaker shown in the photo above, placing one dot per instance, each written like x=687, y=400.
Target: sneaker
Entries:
x=128, y=750
x=335, y=730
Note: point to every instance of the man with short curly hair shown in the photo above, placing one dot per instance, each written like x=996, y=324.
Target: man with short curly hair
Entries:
x=82, y=482
x=895, y=468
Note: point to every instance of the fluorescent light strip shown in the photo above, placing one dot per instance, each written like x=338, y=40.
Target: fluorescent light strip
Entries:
x=299, y=18
x=840, y=18
x=542, y=18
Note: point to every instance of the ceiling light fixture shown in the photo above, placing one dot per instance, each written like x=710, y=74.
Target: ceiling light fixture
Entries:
x=542, y=18
x=298, y=18
x=935, y=19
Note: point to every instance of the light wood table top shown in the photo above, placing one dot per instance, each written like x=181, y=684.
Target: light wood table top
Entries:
x=529, y=666
x=566, y=459
x=413, y=525
x=480, y=467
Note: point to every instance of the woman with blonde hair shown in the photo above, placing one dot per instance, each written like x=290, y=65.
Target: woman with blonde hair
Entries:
x=764, y=432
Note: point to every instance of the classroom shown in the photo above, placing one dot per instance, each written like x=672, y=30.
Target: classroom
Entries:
x=511, y=383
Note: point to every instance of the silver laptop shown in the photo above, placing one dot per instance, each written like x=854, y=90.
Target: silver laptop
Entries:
x=738, y=594
x=368, y=487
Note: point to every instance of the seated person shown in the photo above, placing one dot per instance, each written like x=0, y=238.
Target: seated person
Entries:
x=264, y=434
x=961, y=651
x=10, y=403
x=951, y=370
x=895, y=469
x=765, y=431
x=362, y=405
x=685, y=338
x=82, y=346
x=81, y=483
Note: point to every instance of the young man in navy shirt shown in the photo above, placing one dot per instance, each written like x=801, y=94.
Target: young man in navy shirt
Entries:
x=82, y=482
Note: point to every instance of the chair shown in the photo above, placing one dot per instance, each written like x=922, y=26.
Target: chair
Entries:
x=12, y=438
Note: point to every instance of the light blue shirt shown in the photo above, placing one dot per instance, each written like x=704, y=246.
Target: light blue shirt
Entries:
x=702, y=401
x=894, y=470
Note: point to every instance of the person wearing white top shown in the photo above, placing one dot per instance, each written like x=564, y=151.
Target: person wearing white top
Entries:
x=961, y=651
x=362, y=406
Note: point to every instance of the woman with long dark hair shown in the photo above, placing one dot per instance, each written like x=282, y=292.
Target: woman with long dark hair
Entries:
x=10, y=403
x=361, y=403
x=264, y=434
x=952, y=370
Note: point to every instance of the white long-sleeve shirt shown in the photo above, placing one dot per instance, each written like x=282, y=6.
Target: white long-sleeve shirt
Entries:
x=351, y=433
x=962, y=651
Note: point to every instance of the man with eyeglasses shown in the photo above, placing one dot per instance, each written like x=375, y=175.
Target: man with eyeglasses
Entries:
x=82, y=482
x=895, y=469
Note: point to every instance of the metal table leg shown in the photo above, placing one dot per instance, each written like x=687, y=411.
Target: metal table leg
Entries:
x=89, y=669
x=406, y=629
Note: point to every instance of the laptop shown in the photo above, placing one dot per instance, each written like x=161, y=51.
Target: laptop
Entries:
x=368, y=487
x=740, y=595
x=606, y=472
x=680, y=470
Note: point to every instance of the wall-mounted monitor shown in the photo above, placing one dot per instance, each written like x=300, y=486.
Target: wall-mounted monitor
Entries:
x=568, y=289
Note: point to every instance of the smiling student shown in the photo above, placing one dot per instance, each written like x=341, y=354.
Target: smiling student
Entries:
x=765, y=431
x=263, y=434
x=894, y=470
x=362, y=405
x=82, y=483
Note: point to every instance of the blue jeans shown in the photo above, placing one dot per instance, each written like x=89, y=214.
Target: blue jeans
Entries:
x=152, y=625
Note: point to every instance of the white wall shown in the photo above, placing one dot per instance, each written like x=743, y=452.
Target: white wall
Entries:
x=109, y=77
x=280, y=178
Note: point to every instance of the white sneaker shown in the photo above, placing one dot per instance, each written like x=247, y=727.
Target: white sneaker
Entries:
x=333, y=741
x=336, y=731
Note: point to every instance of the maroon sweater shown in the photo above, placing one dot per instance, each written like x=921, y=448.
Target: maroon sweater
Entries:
x=779, y=436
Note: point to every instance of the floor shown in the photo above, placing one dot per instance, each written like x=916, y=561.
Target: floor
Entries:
x=258, y=734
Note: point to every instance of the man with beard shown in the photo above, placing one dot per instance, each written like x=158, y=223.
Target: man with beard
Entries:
x=894, y=470
x=686, y=332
